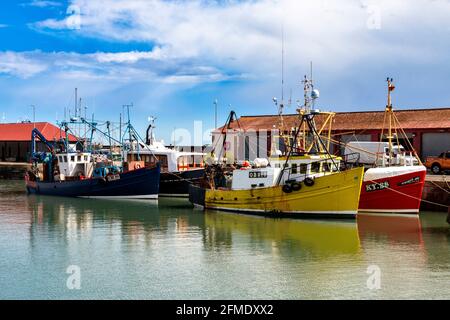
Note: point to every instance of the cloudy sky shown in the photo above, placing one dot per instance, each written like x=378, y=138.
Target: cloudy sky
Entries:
x=172, y=59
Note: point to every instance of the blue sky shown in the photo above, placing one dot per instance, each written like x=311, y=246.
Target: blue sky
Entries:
x=172, y=59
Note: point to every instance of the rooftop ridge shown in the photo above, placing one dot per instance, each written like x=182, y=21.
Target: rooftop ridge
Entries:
x=346, y=112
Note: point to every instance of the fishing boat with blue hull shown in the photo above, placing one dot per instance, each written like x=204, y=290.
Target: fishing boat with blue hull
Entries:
x=137, y=184
x=64, y=171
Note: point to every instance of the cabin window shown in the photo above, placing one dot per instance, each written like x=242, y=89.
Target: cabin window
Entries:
x=315, y=167
x=294, y=168
x=85, y=158
x=79, y=158
x=326, y=167
x=277, y=165
x=65, y=159
x=72, y=158
x=60, y=159
x=303, y=168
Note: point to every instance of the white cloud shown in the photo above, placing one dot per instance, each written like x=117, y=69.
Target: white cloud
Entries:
x=119, y=67
x=129, y=57
x=246, y=35
x=42, y=3
x=18, y=64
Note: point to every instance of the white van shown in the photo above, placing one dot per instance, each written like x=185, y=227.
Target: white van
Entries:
x=371, y=152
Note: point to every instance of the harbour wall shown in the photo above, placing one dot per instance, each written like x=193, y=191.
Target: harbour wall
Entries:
x=13, y=170
x=436, y=190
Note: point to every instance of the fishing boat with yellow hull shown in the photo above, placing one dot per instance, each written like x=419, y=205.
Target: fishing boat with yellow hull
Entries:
x=304, y=180
x=331, y=195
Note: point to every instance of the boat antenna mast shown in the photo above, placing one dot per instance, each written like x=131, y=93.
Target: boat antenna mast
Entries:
x=134, y=135
x=280, y=104
x=389, y=114
x=150, y=138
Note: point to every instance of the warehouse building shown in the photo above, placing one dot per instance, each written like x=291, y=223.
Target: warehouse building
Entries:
x=428, y=131
x=15, y=139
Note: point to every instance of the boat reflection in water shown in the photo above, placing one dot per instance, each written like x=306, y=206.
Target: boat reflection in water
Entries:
x=318, y=237
x=392, y=228
x=221, y=230
x=129, y=221
x=325, y=238
x=166, y=250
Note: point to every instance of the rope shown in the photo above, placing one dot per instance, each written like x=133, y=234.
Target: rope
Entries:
x=182, y=179
x=440, y=186
x=410, y=196
x=445, y=180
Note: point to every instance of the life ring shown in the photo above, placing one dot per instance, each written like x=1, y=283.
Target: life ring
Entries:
x=287, y=188
x=309, y=182
x=137, y=166
x=296, y=186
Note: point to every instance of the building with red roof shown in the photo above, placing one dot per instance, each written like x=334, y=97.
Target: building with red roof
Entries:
x=428, y=130
x=15, y=139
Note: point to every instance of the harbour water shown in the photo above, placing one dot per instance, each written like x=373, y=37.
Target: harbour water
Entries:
x=167, y=250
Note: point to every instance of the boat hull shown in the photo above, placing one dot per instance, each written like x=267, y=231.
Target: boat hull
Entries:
x=334, y=195
x=176, y=184
x=397, y=190
x=137, y=184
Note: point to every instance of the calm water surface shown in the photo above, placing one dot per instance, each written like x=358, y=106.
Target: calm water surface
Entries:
x=167, y=250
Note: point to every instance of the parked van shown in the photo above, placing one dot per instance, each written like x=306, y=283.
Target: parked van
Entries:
x=378, y=153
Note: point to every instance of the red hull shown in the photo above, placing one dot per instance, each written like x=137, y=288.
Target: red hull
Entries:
x=397, y=194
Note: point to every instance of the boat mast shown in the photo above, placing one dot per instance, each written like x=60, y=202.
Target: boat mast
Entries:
x=391, y=87
x=280, y=105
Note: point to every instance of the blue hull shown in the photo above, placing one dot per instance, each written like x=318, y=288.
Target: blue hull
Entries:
x=138, y=184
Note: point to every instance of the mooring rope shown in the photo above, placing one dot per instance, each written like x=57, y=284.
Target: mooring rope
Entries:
x=445, y=180
x=445, y=190
x=183, y=179
x=410, y=196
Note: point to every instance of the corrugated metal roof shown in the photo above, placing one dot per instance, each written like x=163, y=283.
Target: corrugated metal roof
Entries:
x=22, y=131
x=343, y=121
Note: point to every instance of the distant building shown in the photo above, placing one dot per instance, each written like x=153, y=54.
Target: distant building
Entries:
x=428, y=131
x=15, y=139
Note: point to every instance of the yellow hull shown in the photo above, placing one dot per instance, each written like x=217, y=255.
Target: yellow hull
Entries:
x=333, y=194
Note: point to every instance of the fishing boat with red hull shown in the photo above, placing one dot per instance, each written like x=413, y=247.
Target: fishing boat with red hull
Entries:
x=395, y=182
x=392, y=189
